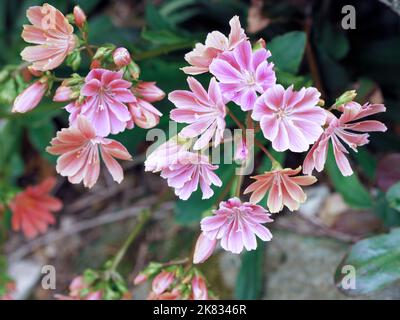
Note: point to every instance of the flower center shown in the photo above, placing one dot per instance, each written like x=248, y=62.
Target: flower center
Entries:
x=249, y=78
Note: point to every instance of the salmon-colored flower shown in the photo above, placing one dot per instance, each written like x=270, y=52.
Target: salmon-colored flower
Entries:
x=283, y=186
x=344, y=129
x=32, y=209
x=104, y=106
x=244, y=73
x=290, y=119
x=237, y=224
x=204, y=111
x=79, y=149
x=52, y=34
x=30, y=97
x=203, y=54
x=199, y=288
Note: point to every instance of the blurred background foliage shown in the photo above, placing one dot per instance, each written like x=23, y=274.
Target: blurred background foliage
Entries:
x=309, y=47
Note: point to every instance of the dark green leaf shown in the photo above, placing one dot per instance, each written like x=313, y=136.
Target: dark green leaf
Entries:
x=287, y=51
x=376, y=261
x=353, y=192
x=250, y=279
x=393, y=196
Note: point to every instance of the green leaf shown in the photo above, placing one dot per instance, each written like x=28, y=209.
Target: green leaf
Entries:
x=191, y=210
x=367, y=162
x=376, y=261
x=40, y=135
x=353, y=192
x=163, y=37
x=389, y=216
x=393, y=196
x=250, y=279
x=287, y=51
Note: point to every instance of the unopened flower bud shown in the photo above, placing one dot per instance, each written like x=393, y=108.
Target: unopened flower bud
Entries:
x=140, y=278
x=121, y=57
x=346, y=97
x=79, y=16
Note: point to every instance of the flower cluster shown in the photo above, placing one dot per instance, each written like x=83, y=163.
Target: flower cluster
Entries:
x=172, y=282
x=108, y=100
x=243, y=76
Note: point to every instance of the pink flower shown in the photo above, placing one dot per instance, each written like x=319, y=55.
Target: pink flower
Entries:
x=199, y=288
x=203, y=249
x=79, y=16
x=121, y=57
x=104, y=107
x=205, y=112
x=243, y=73
x=283, y=187
x=74, y=109
x=203, y=54
x=188, y=172
x=342, y=130
x=143, y=113
x=291, y=120
x=30, y=97
x=173, y=295
x=51, y=33
x=79, y=149
x=165, y=155
x=148, y=91
x=162, y=281
x=237, y=224
x=32, y=208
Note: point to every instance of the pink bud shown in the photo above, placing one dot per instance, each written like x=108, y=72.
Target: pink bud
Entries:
x=34, y=72
x=30, y=97
x=162, y=281
x=94, y=296
x=79, y=16
x=77, y=284
x=149, y=91
x=95, y=64
x=241, y=152
x=121, y=57
x=144, y=115
x=199, y=288
x=204, y=248
x=140, y=278
x=63, y=93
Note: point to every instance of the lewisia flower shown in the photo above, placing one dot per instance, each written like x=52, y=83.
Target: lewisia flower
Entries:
x=205, y=111
x=30, y=97
x=52, y=34
x=344, y=130
x=79, y=149
x=283, y=186
x=290, y=119
x=243, y=73
x=143, y=113
x=165, y=155
x=237, y=224
x=80, y=290
x=32, y=209
x=104, y=107
x=188, y=172
x=203, y=54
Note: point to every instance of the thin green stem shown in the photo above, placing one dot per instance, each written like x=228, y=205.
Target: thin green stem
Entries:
x=143, y=218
